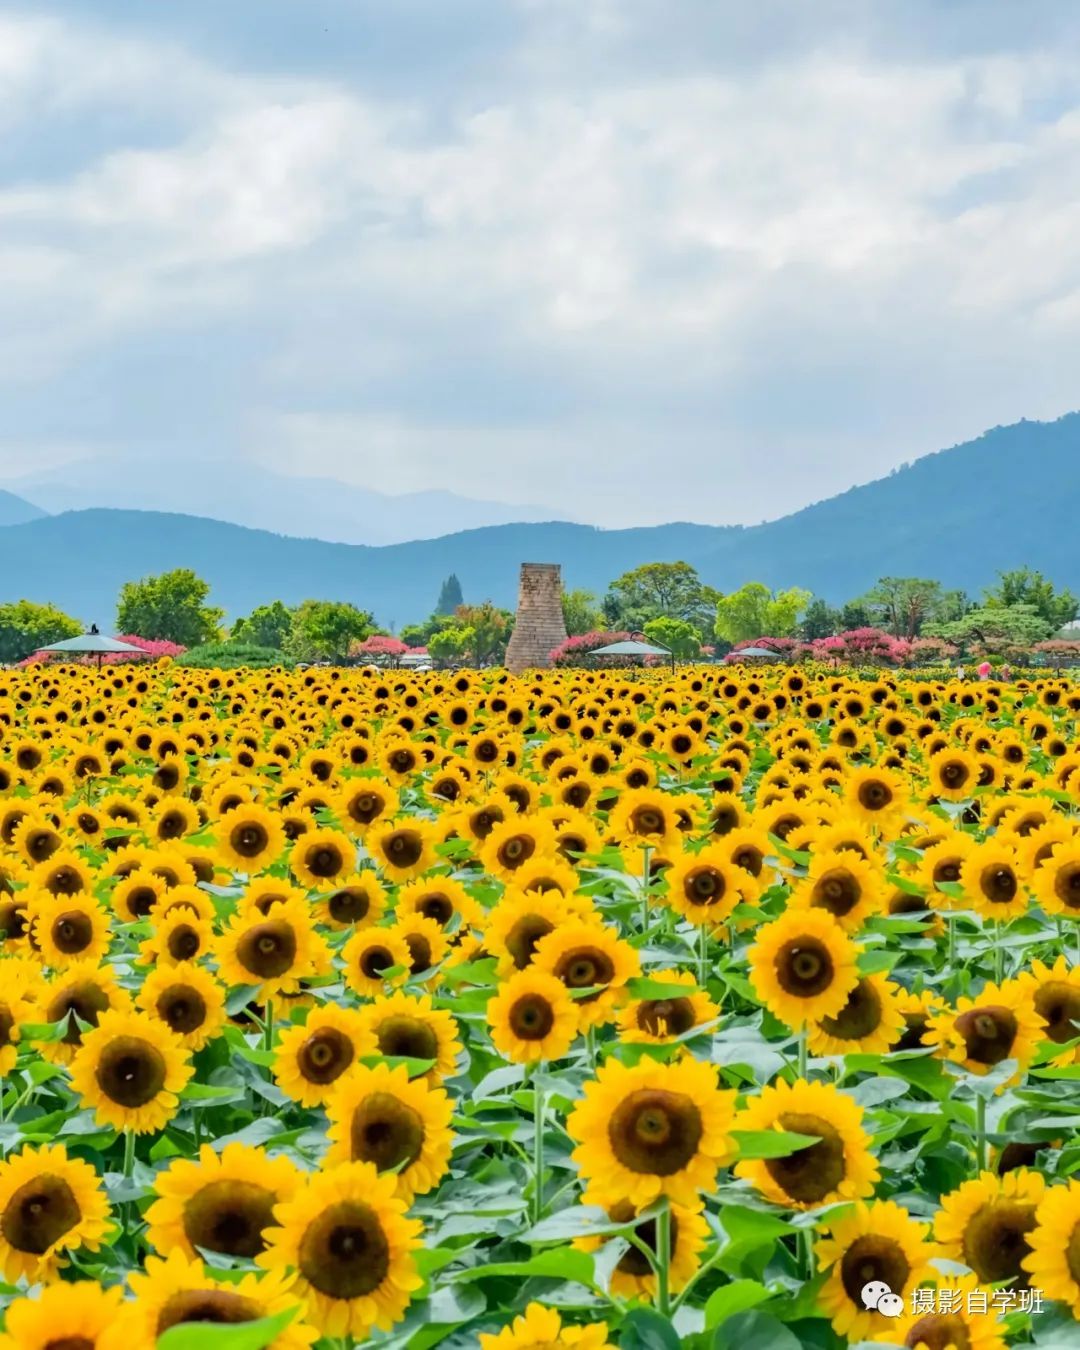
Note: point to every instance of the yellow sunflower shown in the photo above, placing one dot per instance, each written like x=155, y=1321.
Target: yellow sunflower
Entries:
x=360, y=805
x=413, y=1028
x=189, y=1001
x=518, y=922
x=532, y=1017
x=49, y=1204
x=846, y=886
x=403, y=849
x=357, y=901
x=838, y=1167
x=1056, y=881
x=180, y=937
x=347, y=1237
x=69, y=929
x=1053, y=1263
x=379, y=1115
x=81, y=993
x=651, y=1130
x=984, y=1224
x=273, y=952
x=514, y=843
x=370, y=954
x=310, y=1058
x=65, y=873
x=877, y=796
x=177, y=1292
x=75, y=1316
x=540, y=1328
x=879, y=1241
x=870, y=1022
x=993, y=881
x=704, y=887
x=137, y=894
x=129, y=1070
x=589, y=956
x=249, y=838
x=1000, y=1023
x=1055, y=995
x=221, y=1202
x=803, y=966
x=20, y=988
x=425, y=940
x=656, y=1021
x=953, y=1323
x=633, y=1276
x=321, y=859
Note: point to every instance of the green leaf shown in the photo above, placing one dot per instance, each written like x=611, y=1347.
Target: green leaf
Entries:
x=873, y=962
x=556, y=1263
x=239, y=1336
x=656, y=987
x=755, y=1331
x=645, y=1329
x=771, y=1143
x=736, y=1297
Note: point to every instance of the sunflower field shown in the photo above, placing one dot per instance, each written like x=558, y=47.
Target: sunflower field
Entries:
x=584, y=1009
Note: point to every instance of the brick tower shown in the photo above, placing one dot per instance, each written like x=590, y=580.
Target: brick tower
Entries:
x=539, y=625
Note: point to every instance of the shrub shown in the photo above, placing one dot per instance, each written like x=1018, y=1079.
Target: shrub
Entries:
x=232, y=655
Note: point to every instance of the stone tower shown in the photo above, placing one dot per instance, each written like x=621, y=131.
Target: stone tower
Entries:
x=539, y=625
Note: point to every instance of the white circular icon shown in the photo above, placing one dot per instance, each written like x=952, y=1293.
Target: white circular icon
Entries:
x=878, y=1297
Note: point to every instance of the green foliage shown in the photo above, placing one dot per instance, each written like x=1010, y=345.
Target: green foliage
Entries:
x=451, y=643
x=171, y=605
x=679, y=636
x=580, y=612
x=24, y=627
x=267, y=626
x=322, y=630
x=755, y=611
x=997, y=625
x=477, y=633
x=902, y=605
x=450, y=596
x=673, y=590
x=1022, y=586
x=819, y=621
x=231, y=655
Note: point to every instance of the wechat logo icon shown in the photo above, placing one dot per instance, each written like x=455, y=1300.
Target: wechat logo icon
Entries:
x=878, y=1297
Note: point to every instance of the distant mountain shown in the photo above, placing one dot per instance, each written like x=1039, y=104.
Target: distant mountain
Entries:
x=1010, y=498
x=245, y=493
x=15, y=511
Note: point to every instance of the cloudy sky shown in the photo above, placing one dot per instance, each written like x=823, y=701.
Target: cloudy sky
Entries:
x=635, y=259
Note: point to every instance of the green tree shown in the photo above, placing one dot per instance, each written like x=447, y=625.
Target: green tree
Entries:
x=992, y=626
x=853, y=615
x=171, y=605
x=819, y=621
x=323, y=629
x=450, y=596
x=580, y=613
x=452, y=643
x=655, y=589
x=679, y=636
x=902, y=605
x=755, y=611
x=1022, y=586
x=491, y=628
x=266, y=626
x=25, y=627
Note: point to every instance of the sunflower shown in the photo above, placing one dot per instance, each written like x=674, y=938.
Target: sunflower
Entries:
x=136, y=894
x=1056, y=882
x=362, y=805
x=173, y=817
x=187, y=999
x=129, y=1069
x=942, y=861
x=412, y=1028
x=993, y=881
x=64, y=873
x=848, y=887
x=838, y=1167
x=651, y=1130
x=516, y=842
x=179, y=936
x=916, y=1010
x=32, y=833
x=643, y=818
x=985, y=1223
x=540, y=1328
x=875, y=1241
x=263, y=893
x=585, y=955
x=704, y=887
x=546, y=872
x=519, y=922
x=877, y=796
x=223, y=1202
x=49, y=1204
x=73, y=1316
x=1053, y=1262
x=357, y=901
x=379, y=1115
x=425, y=940
x=322, y=858
x=370, y=954
x=403, y=849
x=275, y=952
x=20, y=988
x=802, y=966
x=310, y=1058
x=249, y=838
x=69, y=929
x=178, y=1291
x=954, y=1321
x=633, y=1276
x=870, y=1022
x=1000, y=1023
x=1055, y=995
x=748, y=847
x=953, y=774
x=79, y=994
x=347, y=1237
x=656, y=1021
x=532, y=1017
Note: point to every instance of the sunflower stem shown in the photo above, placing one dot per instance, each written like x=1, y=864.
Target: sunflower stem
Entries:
x=663, y=1259
x=1077, y=931
x=646, y=854
x=538, y=1144
x=980, y=1133
x=268, y=1027
x=703, y=954
x=999, y=953
x=129, y=1154
x=802, y=1054
x=950, y=928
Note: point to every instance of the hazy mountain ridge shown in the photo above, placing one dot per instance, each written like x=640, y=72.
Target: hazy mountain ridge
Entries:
x=1009, y=498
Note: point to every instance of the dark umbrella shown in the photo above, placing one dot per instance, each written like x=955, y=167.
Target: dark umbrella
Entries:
x=635, y=645
x=94, y=644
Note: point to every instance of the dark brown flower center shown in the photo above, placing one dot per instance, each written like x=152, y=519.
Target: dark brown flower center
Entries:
x=324, y=861
x=873, y=1258
x=182, y=1008
x=939, y=1331
x=704, y=886
x=219, y=1307
x=344, y=1253
x=130, y=1071
x=140, y=900
x=814, y=1172
x=836, y=890
x=860, y=1016
x=523, y=938
x=325, y=1055
x=39, y=1214
x=646, y=820
x=69, y=1343
x=249, y=838
x=995, y=1241
x=349, y=905
x=1067, y=884
x=1058, y=1003
x=874, y=795
x=749, y=858
x=72, y=932
x=436, y=906
x=804, y=967
x=404, y=848
x=87, y=1001
x=954, y=774
x=386, y=1131
x=229, y=1217
x=998, y=884
x=268, y=949
x=183, y=942
x=516, y=850
x=419, y=952
x=407, y=1037
x=1072, y=1253
x=634, y=1261
x=665, y=1016
x=374, y=961
x=64, y=881
x=584, y=967
x=531, y=1017
x=988, y=1033
x=364, y=807
x=655, y=1131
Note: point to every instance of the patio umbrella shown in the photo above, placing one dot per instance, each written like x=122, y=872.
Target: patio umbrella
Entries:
x=758, y=653
x=94, y=644
x=634, y=646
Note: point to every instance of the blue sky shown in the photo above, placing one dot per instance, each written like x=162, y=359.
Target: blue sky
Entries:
x=636, y=259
